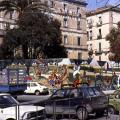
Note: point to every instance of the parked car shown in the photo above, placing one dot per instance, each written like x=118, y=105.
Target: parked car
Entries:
x=77, y=100
x=36, y=88
x=114, y=102
x=11, y=109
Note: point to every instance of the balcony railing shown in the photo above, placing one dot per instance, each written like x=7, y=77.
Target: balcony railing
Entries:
x=98, y=52
x=99, y=24
x=90, y=25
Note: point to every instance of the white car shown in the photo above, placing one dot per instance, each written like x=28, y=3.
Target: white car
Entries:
x=11, y=109
x=36, y=88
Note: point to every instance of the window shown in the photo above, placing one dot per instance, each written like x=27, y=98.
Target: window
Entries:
x=78, y=23
x=100, y=20
x=90, y=45
x=11, y=14
x=65, y=39
x=99, y=31
x=87, y=34
x=78, y=40
x=90, y=34
x=99, y=23
x=91, y=92
x=60, y=93
x=99, y=47
x=65, y=5
x=78, y=9
x=74, y=92
x=65, y=22
x=97, y=92
x=33, y=84
x=99, y=35
x=52, y=4
x=79, y=55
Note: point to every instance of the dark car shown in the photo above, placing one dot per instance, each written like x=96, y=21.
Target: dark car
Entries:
x=79, y=101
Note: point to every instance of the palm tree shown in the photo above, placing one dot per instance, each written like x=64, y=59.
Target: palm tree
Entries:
x=21, y=6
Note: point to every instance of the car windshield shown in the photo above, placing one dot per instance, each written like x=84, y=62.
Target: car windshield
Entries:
x=61, y=92
x=41, y=84
x=7, y=101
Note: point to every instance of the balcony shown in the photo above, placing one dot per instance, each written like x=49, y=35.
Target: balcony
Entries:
x=99, y=37
x=90, y=25
x=99, y=24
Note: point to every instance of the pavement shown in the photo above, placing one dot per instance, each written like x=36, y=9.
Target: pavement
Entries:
x=111, y=117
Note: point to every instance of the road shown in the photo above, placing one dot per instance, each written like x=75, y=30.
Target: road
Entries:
x=111, y=117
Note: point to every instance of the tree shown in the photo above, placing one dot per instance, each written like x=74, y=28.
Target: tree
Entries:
x=21, y=6
x=114, y=38
x=35, y=30
x=38, y=34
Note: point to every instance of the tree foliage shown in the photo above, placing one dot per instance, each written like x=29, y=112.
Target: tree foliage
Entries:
x=114, y=39
x=38, y=34
x=21, y=6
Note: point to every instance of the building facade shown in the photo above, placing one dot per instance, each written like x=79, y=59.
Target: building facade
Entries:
x=72, y=15
x=99, y=24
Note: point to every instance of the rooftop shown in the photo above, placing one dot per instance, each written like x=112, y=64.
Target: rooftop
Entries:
x=82, y=2
x=103, y=9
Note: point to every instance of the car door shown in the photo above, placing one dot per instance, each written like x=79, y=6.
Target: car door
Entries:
x=31, y=87
x=91, y=97
x=75, y=99
x=98, y=99
x=28, y=90
x=57, y=103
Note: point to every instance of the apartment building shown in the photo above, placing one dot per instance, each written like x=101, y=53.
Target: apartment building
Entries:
x=72, y=15
x=99, y=24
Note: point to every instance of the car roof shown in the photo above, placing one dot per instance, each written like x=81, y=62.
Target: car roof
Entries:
x=71, y=85
x=31, y=82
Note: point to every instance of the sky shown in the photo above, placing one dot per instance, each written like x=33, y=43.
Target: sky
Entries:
x=93, y=4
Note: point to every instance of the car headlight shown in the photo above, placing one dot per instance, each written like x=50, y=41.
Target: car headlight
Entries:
x=33, y=115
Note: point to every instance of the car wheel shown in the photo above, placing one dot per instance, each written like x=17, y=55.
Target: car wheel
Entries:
x=82, y=113
x=37, y=92
x=111, y=110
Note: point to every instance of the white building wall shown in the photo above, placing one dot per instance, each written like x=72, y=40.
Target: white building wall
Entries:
x=109, y=19
x=116, y=17
x=94, y=43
